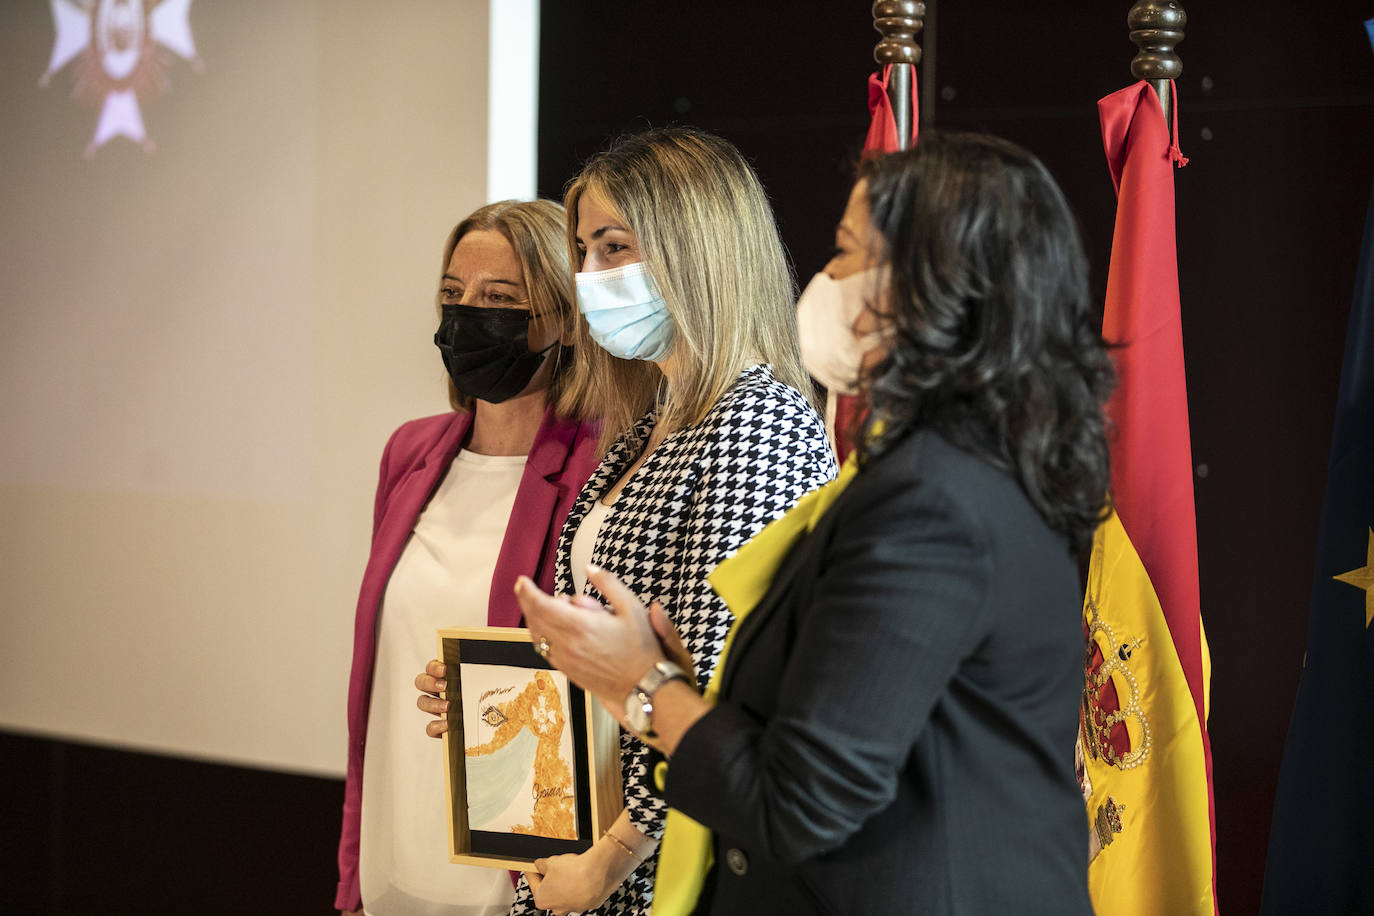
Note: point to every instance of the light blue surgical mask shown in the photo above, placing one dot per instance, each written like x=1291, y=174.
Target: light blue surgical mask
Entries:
x=625, y=312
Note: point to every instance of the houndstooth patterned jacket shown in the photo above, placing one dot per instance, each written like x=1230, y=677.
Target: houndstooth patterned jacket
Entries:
x=701, y=494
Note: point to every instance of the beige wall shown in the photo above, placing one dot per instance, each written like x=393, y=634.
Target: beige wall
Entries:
x=202, y=351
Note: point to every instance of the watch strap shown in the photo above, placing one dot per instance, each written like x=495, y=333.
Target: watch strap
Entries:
x=641, y=697
x=660, y=674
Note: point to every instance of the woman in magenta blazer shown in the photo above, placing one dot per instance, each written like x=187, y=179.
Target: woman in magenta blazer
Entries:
x=466, y=502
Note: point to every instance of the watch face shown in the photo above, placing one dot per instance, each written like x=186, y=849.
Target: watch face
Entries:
x=638, y=708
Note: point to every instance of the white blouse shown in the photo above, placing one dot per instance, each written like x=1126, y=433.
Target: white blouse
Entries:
x=442, y=579
x=585, y=539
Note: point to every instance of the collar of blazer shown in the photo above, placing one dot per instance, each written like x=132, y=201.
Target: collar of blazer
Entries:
x=752, y=581
x=535, y=504
x=553, y=444
x=548, y=455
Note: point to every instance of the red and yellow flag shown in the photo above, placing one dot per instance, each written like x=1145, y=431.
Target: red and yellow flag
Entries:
x=1146, y=763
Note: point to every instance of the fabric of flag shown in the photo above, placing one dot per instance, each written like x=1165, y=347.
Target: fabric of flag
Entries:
x=1321, y=842
x=882, y=126
x=843, y=411
x=1145, y=759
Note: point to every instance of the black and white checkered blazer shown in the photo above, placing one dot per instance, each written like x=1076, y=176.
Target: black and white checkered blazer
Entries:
x=702, y=493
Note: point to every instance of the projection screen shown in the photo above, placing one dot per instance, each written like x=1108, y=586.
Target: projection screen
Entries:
x=222, y=226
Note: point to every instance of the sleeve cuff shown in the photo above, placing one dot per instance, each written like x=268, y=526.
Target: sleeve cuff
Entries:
x=347, y=896
x=699, y=771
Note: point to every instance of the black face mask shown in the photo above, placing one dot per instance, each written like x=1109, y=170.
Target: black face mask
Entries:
x=487, y=351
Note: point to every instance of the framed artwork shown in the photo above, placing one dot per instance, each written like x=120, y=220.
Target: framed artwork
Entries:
x=533, y=763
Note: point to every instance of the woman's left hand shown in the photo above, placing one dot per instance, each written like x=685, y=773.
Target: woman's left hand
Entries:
x=574, y=882
x=430, y=682
x=603, y=653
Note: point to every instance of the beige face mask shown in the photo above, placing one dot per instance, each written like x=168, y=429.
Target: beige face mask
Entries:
x=826, y=314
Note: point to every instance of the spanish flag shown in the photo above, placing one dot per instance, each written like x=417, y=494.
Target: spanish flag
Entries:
x=1145, y=759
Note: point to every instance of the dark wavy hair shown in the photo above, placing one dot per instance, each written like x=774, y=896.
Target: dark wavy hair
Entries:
x=995, y=345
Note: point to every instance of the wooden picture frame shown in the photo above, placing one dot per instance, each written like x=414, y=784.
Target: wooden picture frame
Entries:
x=550, y=773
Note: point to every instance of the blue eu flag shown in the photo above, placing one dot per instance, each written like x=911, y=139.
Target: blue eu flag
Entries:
x=1321, y=843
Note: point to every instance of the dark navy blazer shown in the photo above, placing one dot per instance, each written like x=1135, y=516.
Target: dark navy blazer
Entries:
x=897, y=719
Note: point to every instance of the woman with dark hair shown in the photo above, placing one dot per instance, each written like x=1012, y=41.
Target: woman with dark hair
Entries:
x=894, y=716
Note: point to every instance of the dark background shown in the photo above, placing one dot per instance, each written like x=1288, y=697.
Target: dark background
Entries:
x=1277, y=115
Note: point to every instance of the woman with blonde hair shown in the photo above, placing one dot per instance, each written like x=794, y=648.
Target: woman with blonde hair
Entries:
x=466, y=501
x=688, y=299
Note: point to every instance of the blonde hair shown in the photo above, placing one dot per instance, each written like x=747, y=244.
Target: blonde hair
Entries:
x=534, y=229
x=707, y=236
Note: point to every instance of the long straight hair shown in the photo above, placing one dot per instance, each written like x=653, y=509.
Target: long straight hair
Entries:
x=707, y=236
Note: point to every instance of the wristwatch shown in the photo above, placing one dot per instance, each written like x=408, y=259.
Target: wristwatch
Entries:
x=639, y=705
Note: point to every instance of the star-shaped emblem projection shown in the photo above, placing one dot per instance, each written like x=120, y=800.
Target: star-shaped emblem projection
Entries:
x=119, y=48
x=1363, y=578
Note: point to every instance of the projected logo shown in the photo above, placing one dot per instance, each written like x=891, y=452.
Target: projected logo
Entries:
x=123, y=50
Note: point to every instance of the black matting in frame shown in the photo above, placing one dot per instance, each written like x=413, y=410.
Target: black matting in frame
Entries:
x=520, y=654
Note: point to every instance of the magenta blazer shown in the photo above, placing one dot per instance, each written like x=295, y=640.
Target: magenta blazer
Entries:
x=561, y=459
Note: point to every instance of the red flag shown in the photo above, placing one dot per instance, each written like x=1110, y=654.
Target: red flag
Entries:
x=846, y=410
x=1148, y=766
x=882, y=127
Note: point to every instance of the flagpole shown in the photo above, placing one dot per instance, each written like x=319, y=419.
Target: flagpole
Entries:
x=898, y=21
x=1157, y=28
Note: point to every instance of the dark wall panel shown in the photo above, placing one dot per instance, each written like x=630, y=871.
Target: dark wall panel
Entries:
x=94, y=830
x=784, y=82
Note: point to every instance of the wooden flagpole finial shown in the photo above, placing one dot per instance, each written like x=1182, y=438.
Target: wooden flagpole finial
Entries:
x=898, y=22
x=1157, y=29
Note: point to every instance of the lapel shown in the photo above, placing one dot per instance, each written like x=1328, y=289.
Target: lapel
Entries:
x=795, y=575
x=528, y=535
x=413, y=490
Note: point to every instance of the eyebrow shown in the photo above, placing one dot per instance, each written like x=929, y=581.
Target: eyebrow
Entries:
x=609, y=227
x=449, y=276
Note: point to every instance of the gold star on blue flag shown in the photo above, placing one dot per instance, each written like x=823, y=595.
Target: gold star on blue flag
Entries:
x=1363, y=579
